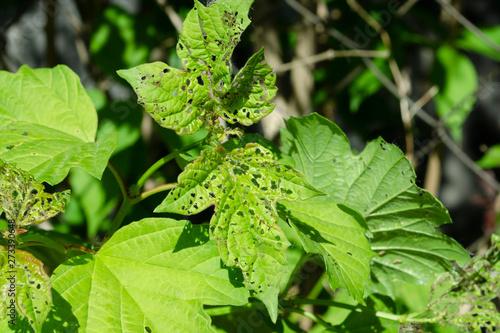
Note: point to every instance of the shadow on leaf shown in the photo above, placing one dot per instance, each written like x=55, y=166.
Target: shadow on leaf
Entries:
x=61, y=317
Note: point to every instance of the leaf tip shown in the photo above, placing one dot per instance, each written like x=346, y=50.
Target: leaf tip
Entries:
x=125, y=74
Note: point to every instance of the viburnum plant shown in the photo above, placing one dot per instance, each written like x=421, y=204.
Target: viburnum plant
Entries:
x=361, y=216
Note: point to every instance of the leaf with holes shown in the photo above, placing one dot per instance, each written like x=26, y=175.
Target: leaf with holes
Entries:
x=244, y=185
x=153, y=275
x=379, y=183
x=183, y=99
x=248, y=98
x=24, y=200
x=175, y=99
x=48, y=124
x=25, y=285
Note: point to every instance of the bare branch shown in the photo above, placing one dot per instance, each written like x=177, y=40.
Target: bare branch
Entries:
x=402, y=85
x=328, y=55
x=458, y=152
x=405, y=8
x=175, y=19
x=416, y=108
x=469, y=25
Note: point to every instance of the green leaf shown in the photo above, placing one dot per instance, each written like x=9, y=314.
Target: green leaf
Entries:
x=96, y=199
x=337, y=233
x=123, y=117
x=24, y=279
x=491, y=159
x=210, y=34
x=155, y=274
x=24, y=200
x=365, y=320
x=206, y=90
x=457, y=80
x=366, y=84
x=248, y=98
x=379, y=183
x=48, y=124
x=475, y=287
x=174, y=98
x=121, y=40
x=469, y=41
x=244, y=186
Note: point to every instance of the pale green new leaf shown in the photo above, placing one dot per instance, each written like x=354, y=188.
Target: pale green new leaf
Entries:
x=48, y=124
x=206, y=89
x=337, y=233
x=380, y=184
x=153, y=275
x=244, y=186
x=457, y=80
x=24, y=200
x=33, y=296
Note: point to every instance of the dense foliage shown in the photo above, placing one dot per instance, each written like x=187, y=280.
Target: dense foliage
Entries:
x=312, y=209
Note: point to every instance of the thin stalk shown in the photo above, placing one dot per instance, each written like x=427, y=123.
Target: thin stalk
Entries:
x=134, y=191
x=225, y=310
x=66, y=248
x=122, y=212
x=313, y=317
x=405, y=318
x=134, y=196
x=145, y=194
x=318, y=287
x=295, y=272
x=119, y=179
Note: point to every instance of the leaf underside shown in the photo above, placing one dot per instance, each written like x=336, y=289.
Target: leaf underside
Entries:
x=244, y=186
x=206, y=90
x=379, y=183
x=48, y=124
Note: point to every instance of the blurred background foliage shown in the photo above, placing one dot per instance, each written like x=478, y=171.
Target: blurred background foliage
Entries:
x=424, y=75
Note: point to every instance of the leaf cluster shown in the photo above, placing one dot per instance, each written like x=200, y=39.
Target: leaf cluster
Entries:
x=359, y=217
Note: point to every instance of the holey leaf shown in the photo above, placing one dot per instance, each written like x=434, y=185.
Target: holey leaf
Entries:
x=24, y=200
x=24, y=287
x=244, y=186
x=379, y=183
x=206, y=90
x=48, y=124
x=153, y=275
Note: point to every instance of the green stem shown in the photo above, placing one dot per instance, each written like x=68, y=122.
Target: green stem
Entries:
x=134, y=196
x=318, y=287
x=305, y=257
x=64, y=248
x=405, y=318
x=311, y=316
x=225, y=310
x=145, y=194
x=122, y=212
x=119, y=179
x=134, y=191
